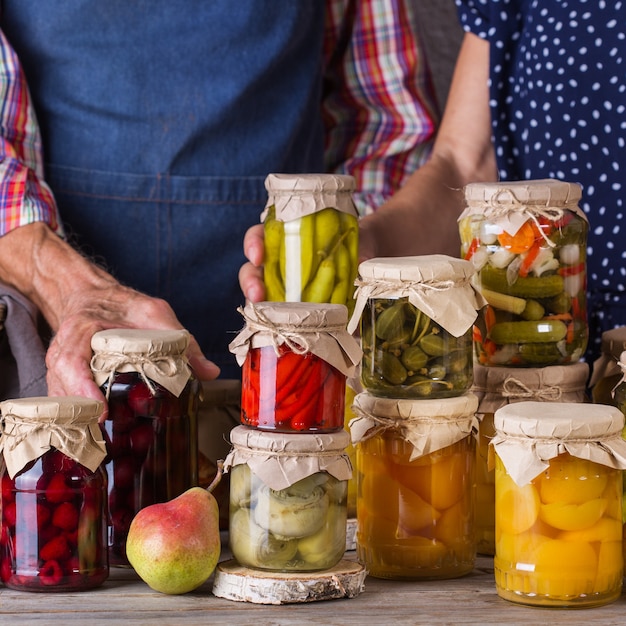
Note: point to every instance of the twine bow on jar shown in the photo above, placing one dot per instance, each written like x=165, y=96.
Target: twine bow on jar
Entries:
x=513, y=388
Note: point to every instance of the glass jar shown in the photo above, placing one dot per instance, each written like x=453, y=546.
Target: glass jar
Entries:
x=415, y=486
x=54, y=495
x=495, y=387
x=288, y=499
x=559, y=503
x=607, y=373
x=416, y=316
x=295, y=358
x=311, y=238
x=527, y=241
x=151, y=428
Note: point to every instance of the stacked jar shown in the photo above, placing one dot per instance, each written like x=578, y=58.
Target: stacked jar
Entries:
x=527, y=241
x=151, y=426
x=288, y=468
x=414, y=427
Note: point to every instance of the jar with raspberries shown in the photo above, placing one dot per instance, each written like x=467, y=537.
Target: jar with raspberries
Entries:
x=54, y=495
x=151, y=427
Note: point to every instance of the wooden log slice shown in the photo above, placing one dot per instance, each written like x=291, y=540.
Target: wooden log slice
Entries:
x=242, y=584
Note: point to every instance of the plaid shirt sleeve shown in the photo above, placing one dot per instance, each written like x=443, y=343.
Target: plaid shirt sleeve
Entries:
x=24, y=196
x=379, y=102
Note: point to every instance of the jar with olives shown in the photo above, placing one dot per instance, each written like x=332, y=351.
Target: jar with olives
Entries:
x=607, y=370
x=311, y=238
x=416, y=315
x=558, y=469
x=527, y=241
x=295, y=358
x=151, y=428
x=415, y=486
x=288, y=499
x=54, y=495
x=496, y=387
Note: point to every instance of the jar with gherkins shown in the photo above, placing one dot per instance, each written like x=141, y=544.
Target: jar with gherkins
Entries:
x=415, y=486
x=496, y=387
x=527, y=241
x=558, y=469
x=311, y=238
x=288, y=499
x=415, y=316
x=607, y=371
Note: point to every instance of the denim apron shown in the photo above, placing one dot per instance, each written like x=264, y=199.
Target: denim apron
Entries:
x=160, y=120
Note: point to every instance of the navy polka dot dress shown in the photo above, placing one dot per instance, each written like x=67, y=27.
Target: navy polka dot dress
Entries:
x=558, y=105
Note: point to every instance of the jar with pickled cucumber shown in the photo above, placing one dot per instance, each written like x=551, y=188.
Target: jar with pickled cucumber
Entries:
x=415, y=316
x=558, y=468
x=607, y=372
x=415, y=486
x=151, y=428
x=295, y=359
x=527, y=241
x=54, y=495
x=311, y=238
x=496, y=387
x=288, y=499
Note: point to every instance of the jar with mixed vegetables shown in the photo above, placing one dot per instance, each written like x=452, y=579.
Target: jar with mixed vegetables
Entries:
x=527, y=241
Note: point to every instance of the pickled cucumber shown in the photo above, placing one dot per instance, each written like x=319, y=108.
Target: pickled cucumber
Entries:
x=541, y=331
x=529, y=287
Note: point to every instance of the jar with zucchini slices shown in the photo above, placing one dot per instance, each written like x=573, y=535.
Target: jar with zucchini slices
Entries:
x=496, y=387
x=415, y=316
x=527, y=241
x=295, y=359
x=311, y=238
x=288, y=499
x=415, y=486
x=558, y=469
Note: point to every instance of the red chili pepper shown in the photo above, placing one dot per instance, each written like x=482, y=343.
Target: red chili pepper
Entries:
x=299, y=373
x=572, y=270
x=249, y=405
x=308, y=415
x=301, y=396
x=529, y=259
x=474, y=245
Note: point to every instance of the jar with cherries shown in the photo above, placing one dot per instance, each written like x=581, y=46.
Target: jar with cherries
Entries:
x=54, y=495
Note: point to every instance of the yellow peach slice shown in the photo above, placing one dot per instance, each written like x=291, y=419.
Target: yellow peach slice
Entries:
x=517, y=508
x=573, y=480
x=573, y=516
x=604, y=530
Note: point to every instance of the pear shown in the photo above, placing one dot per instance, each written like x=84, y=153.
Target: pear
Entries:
x=174, y=546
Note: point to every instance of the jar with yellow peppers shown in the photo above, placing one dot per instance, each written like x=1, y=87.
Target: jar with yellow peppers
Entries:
x=415, y=486
x=496, y=387
x=606, y=373
x=311, y=238
x=287, y=499
x=415, y=316
x=558, y=468
x=527, y=241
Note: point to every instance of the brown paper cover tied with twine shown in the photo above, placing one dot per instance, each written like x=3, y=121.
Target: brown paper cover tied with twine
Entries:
x=529, y=434
x=297, y=195
x=607, y=364
x=32, y=426
x=429, y=425
x=498, y=386
x=158, y=356
x=510, y=204
x=303, y=327
x=281, y=459
x=438, y=285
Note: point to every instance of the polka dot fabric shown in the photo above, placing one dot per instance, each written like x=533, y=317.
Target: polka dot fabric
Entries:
x=558, y=104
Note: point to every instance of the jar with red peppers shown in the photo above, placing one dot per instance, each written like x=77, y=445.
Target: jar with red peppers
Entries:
x=54, y=495
x=527, y=241
x=151, y=428
x=295, y=358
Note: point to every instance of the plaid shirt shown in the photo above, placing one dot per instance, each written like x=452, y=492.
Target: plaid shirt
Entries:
x=378, y=107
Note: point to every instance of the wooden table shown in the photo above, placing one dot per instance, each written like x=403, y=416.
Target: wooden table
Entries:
x=125, y=599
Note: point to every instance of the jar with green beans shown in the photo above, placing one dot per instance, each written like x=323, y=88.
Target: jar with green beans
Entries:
x=527, y=242
x=311, y=238
x=416, y=315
